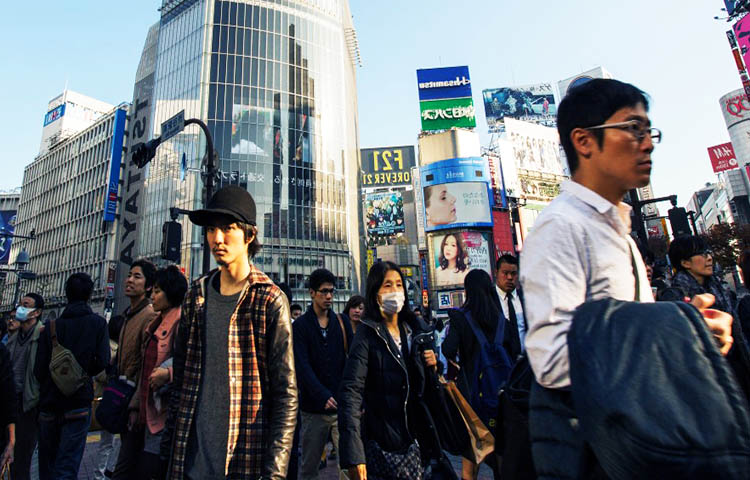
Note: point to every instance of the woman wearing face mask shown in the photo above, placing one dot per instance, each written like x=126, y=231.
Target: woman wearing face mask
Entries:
x=386, y=375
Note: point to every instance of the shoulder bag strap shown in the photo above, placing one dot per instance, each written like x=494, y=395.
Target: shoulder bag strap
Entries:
x=53, y=332
x=475, y=328
x=343, y=333
x=637, y=296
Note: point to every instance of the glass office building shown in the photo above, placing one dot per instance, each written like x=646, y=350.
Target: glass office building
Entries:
x=275, y=83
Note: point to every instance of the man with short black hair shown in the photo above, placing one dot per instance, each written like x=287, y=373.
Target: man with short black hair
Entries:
x=506, y=282
x=580, y=250
x=234, y=408
x=321, y=338
x=22, y=346
x=64, y=420
x=296, y=310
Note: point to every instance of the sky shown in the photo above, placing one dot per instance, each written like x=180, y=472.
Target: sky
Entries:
x=679, y=55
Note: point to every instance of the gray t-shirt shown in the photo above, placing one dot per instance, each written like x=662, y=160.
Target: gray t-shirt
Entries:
x=207, y=444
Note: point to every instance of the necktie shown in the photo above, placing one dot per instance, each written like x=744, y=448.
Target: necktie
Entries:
x=513, y=340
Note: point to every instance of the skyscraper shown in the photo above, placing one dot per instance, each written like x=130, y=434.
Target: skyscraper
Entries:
x=275, y=83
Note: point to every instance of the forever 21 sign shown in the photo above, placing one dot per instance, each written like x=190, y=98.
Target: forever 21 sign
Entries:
x=387, y=166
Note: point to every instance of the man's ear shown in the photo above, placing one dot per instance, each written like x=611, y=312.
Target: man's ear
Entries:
x=685, y=264
x=583, y=142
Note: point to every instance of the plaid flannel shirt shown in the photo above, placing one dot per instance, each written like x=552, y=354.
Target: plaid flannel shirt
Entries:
x=248, y=436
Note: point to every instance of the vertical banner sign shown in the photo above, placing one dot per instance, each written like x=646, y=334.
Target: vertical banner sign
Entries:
x=138, y=131
x=419, y=206
x=739, y=41
x=370, y=258
x=110, y=203
x=722, y=157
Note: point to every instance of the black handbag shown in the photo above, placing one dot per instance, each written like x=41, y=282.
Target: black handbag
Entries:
x=112, y=412
x=385, y=465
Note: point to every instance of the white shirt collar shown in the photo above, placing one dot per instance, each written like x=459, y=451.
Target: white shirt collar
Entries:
x=619, y=214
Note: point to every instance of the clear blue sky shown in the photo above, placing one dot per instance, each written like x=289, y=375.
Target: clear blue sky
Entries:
x=674, y=51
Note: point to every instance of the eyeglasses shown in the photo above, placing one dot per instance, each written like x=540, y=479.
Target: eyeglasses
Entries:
x=705, y=253
x=327, y=291
x=635, y=128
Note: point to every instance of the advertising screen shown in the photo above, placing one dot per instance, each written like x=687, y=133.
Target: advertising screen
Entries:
x=384, y=213
x=456, y=193
x=7, y=225
x=535, y=148
x=387, y=166
x=531, y=103
x=453, y=254
x=722, y=157
x=565, y=85
x=446, y=82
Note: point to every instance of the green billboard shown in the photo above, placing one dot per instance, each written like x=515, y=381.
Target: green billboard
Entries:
x=447, y=113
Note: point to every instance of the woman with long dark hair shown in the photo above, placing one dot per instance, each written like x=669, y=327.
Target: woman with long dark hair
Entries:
x=353, y=310
x=386, y=376
x=475, y=336
x=453, y=260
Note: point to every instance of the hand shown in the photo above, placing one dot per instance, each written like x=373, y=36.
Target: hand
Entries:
x=720, y=323
x=429, y=358
x=7, y=457
x=132, y=420
x=158, y=377
x=331, y=404
x=358, y=472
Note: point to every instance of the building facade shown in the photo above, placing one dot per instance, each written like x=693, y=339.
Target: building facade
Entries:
x=275, y=83
x=63, y=200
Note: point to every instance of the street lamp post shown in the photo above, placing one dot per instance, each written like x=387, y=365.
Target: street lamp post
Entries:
x=22, y=260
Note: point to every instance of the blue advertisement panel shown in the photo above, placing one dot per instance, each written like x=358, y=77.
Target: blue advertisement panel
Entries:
x=446, y=82
x=7, y=225
x=54, y=114
x=110, y=203
x=456, y=193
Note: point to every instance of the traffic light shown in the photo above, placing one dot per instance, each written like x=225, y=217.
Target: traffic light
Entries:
x=171, y=241
x=145, y=152
x=679, y=222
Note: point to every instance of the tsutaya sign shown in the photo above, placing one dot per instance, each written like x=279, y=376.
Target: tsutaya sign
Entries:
x=445, y=98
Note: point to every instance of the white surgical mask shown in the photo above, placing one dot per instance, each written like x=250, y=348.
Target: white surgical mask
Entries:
x=392, y=302
x=22, y=313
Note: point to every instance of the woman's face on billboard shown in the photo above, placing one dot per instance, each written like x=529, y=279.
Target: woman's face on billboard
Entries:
x=442, y=205
x=450, y=249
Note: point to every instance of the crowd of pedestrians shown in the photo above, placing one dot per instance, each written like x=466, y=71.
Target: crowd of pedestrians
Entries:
x=227, y=378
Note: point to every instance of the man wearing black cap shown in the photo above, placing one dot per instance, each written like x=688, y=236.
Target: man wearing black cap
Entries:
x=234, y=377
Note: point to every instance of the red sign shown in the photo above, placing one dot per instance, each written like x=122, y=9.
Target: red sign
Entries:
x=501, y=232
x=722, y=157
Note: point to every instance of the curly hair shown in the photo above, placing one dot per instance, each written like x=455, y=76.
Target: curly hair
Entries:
x=462, y=259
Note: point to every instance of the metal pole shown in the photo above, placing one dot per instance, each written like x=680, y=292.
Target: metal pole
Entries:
x=210, y=172
x=18, y=289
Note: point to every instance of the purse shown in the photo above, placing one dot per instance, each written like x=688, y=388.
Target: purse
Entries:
x=112, y=411
x=390, y=465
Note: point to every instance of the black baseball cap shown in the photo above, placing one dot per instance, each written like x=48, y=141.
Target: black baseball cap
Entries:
x=231, y=201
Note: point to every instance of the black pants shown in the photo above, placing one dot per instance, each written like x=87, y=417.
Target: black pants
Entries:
x=27, y=434
x=133, y=463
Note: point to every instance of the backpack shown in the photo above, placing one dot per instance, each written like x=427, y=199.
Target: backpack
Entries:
x=492, y=370
x=65, y=370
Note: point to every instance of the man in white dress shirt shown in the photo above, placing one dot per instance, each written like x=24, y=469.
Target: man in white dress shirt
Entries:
x=506, y=281
x=580, y=250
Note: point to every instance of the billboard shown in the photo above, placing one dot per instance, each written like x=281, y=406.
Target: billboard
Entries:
x=453, y=254
x=384, y=213
x=445, y=114
x=564, y=86
x=456, y=193
x=54, y=114
x=535, y=148
x=742, y=34
x=446, y=82
x=387, y=166
x=118, y=133
x=531, y=103
x=731, y=6
x=722, y=157
x=7, y=225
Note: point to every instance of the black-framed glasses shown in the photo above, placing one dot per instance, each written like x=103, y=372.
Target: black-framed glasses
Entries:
x=635, y=128
x=705, y=253
x=327, y=291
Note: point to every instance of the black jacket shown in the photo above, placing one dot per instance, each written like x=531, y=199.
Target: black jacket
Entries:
x=84, y=333
x=319, y=361
x=9, y=398
x=389, y=389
